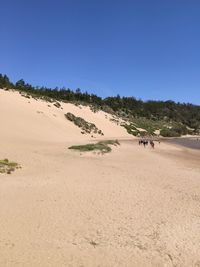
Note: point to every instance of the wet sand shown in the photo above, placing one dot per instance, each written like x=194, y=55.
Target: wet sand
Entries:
x=190, y=142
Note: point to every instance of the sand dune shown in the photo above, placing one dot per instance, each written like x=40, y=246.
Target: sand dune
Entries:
x=39, y=120
x=131, y=207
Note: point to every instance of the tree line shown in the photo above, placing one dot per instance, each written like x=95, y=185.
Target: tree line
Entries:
x=185, y=113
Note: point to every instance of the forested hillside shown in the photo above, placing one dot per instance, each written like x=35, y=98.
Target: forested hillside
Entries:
x=173, y=119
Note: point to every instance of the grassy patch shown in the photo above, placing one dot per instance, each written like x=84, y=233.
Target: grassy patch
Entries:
x=102, y=146
x=131, y=129
x=7, y=166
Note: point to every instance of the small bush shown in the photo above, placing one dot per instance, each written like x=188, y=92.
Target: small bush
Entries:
x=7, y=166
x=57, y=105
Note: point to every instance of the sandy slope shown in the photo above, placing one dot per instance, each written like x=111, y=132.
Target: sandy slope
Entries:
x=132, y=207
x=36, y=120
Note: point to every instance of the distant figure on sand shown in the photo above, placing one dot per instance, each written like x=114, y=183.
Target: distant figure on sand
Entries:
x=145, y=143
x=152, y=144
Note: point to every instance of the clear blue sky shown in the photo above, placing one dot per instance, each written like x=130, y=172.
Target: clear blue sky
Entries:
x=149, y=49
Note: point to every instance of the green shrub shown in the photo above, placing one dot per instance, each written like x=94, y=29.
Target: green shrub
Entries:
x=166, y=132
x=102, y=146
x=57, y=105
x=175, y=130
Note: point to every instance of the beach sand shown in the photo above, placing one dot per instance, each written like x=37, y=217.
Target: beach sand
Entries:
x=132, y=207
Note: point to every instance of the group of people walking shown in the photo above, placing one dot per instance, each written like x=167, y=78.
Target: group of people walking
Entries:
x=145, y=142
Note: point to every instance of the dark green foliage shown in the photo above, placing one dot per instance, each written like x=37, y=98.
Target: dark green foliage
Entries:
x=5, y=82
x=127, y=107
x=86, y=127
x=174, y=131
x=169, y=132
x=102, y=146
x=57, y=104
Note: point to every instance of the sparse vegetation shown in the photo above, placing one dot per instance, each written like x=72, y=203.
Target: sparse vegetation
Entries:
x=57, y=105
x=7, y=166
x=149, y=126
x=144, y=114
x=131, y=129
x=102, y=146
x=86, y=127
x=93, y=243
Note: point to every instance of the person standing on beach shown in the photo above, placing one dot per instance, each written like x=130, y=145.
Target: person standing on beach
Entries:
x=152, y=144
x=144, y=143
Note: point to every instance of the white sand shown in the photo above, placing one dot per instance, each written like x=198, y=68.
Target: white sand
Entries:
x=132, y=207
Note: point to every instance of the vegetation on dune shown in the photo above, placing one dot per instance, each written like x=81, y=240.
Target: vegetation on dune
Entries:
x=170, y=117
x=175, y=130
x=166, y=132
x=131, y=129
x=166, y=129
x=57, y=105
x=102, y=146
x=86, y=127
x=7, y=166
x=149, y=125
